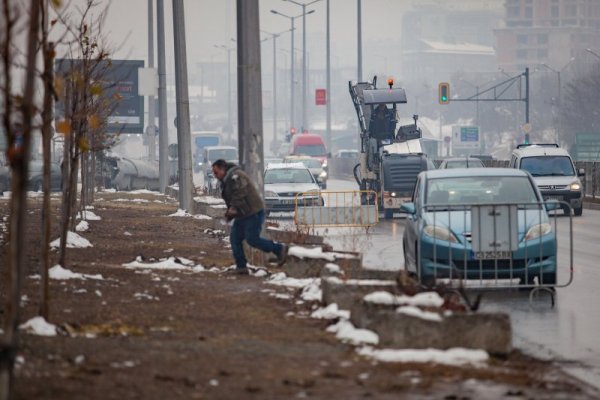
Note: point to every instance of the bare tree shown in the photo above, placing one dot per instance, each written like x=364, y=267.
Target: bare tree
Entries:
x=19, y=141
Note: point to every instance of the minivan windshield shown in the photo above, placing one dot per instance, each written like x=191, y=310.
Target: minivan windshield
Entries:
x=311, y=150
x=225, y=154
x=548, y=166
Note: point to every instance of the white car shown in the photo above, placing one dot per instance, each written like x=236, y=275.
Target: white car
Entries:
x=289, y=184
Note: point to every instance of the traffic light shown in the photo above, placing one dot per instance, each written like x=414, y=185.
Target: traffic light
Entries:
x=444, y=93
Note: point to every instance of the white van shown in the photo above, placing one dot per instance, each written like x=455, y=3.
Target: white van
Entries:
x=554, y=173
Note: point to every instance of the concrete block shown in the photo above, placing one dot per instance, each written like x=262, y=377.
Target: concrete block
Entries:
x=296, y=267
x=293, y=237
x=487, y=331
x=347, y=293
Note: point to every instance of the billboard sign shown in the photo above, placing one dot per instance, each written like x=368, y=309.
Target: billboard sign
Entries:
x=465, y=137
x=120, y=82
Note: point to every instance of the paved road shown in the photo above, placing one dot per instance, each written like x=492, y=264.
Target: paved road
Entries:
x=567, y=333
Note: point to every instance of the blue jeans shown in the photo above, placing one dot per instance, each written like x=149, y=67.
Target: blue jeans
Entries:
x=249, y=229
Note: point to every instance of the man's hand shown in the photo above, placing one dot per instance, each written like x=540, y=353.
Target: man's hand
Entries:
x=230, y=213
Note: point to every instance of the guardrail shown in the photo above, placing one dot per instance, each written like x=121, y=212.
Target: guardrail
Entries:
x=350, y=208
x=490, y=246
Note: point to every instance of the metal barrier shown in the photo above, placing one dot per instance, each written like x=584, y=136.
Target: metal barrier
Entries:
x=352, y=208
x=491, y=246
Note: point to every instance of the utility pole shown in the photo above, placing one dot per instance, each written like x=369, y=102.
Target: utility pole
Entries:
x=250, y=135
x=229, y=120
x=163, y=128
x=328, y=80
x=151, y=129
x=184, y=142
x=527, y=102
x=359, y=39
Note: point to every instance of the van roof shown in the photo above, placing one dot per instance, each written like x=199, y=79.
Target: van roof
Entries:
x=533, y=150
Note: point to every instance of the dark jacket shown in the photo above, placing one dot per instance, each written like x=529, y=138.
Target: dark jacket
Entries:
x=239, y=192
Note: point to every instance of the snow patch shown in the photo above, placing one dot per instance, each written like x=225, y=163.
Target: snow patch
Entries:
x=424, y=299
x=88, y=216
x=74, y=241
x=59, y=273
x=171, y=263
x=454, y=356
x=333, y=268
x=347, y=333
x=315, y=252
x=209, y=200
x=180, y=213
x=127, y=233
x=145, y=191
x=417, y=312
x=330, y=312
x=82, y=226
x=312, y=291
x=201, y=216
x=281, y=279
x=39, y=326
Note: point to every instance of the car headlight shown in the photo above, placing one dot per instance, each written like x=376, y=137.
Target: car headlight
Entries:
x=575, y=186
x=324, y=165
x=312, y=193
x=393, y=194
x=439, y=232
x=323, y=175
x=538, y=230
x=270, y=193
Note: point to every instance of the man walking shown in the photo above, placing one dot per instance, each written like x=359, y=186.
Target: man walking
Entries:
x=246, y=208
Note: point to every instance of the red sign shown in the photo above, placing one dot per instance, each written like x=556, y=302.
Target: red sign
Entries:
x=320, y=97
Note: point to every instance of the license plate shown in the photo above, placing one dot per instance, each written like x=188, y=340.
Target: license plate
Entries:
x=492, y=255
x=287, y=201
x=559, y=198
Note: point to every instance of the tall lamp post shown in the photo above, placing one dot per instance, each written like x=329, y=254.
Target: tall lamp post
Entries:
x=292, y=28
x=304, y=83
x=559, y=98
x=229, y=50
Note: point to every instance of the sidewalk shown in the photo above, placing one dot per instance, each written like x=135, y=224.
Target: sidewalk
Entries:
x=190, y=333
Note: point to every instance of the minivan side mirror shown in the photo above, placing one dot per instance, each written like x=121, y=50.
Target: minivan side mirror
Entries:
x=581, y=172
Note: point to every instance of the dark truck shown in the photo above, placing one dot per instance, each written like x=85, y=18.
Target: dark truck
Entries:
x=399, y=175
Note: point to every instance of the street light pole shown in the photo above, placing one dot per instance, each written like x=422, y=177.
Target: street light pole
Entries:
x=163, y=127
x=228, y=50
x=304, y=84
x=359, y=39
x=328, y=81
x=292, y=29
x=151, y=131
x=559, y=98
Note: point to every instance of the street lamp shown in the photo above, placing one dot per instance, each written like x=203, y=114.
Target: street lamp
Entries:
x=593, y=53
x=304, y=85
x=292, y=29
x=274, y=36
x=559, y=98
x=229, y=50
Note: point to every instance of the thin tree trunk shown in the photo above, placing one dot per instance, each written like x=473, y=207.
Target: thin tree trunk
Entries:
x=66, y=181
x=48, y=49
x=19, y=165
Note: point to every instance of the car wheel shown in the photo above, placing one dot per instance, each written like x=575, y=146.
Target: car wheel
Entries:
x=388, y=214
x=38, y=187
x=579, y=211
x=567, y=210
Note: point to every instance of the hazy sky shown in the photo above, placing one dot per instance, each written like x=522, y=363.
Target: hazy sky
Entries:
x=212, y=22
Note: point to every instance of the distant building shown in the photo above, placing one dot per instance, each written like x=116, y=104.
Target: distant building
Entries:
x=546, y=32
x=440, y=38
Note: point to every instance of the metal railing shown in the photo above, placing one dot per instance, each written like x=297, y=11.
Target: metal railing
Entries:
x=490, y=246
x=350, y=208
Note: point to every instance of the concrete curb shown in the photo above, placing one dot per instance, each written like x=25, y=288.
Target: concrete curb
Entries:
x=350, y=292
x=490, y=332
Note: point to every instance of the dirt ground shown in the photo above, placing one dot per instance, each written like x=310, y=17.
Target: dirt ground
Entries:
x=183, y=335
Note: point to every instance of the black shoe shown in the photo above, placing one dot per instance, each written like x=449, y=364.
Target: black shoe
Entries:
x=282, y=256
x=238, y=271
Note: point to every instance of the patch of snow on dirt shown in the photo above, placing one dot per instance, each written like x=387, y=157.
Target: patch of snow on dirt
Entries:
x=312, y=292
x=201, y=216
x=39, y=326
x=361, y=282
x=171, y=263
x=74, y=241
x=281, y=279
x=333, y=268
x=330, y=312
x=454, y=356
x=315, y=252
x=347, y=333
x=59, y=273
x=146, y=191
x=180, y=213
x=88, y=215
x=82, y=226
